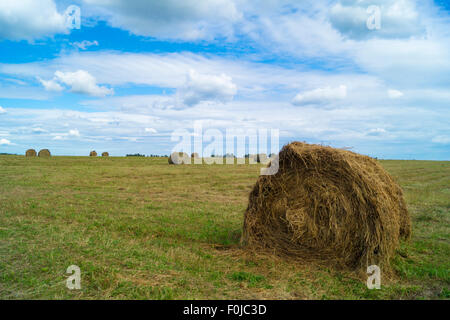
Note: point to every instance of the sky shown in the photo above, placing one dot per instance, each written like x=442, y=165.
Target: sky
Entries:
x=372, y=76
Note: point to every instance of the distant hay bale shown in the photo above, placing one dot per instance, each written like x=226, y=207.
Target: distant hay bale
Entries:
x=105, y=154
x=92, y=154
x=252, y=158
x=179, y=158
x=229, y=158
x=327, y=204
x=44, y=153
x=262, y=158
x=30, y=153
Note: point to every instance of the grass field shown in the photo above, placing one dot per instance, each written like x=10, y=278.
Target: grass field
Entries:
x=141, y=229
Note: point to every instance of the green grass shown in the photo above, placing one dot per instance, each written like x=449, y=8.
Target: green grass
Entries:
x=141, y=229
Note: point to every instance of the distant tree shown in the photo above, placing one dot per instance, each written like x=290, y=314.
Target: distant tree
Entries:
x=135, y=155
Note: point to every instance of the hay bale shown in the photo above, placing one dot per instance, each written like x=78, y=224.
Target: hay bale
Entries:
x=179, y=158
x=30, y=153
x=327, y=204
x=92, y=154
x=194, y=155
x=44, y=153
x=105, y=154
x=262, y=158
x=252, y=158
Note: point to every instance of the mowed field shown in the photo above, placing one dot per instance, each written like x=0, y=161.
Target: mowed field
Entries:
x=142, y=229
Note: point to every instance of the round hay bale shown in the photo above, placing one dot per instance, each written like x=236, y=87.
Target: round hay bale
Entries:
x=30, y=153
x=179, y=158
x=44, y=153
x=92, y=154
x=194, y=155
x=105, y=154
x=262, y=158
x=327, y=204
x=252, y=158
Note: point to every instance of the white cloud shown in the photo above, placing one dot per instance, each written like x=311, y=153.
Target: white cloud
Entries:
x=170, y=19
x=205, y=87
x=170, y=70
x=407, y=62
x=82, y=82
x=30, y=19
x=320, y=96
x=74, y=133
x=376, y=132
x=51, y=85
x=150, y=130
x=394, y=94
x=38, y=130
x=83, y=45
x=441, y=139
x=398, y=19
x=343, y=126
x=2, y=110
x=79, y=81
x=4, y=142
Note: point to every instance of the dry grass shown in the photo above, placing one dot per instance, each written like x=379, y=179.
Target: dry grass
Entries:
x=327, y=204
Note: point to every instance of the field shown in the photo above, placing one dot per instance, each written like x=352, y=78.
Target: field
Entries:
x=141, y=229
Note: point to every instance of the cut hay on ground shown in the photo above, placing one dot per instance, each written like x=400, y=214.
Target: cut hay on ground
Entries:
x=179, y=158
x=327, y=204
x=44, y=153
x=30, y=153
x=105, y=154
x=92, y=154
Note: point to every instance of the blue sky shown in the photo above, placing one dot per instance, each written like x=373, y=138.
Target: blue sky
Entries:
x=136, y=71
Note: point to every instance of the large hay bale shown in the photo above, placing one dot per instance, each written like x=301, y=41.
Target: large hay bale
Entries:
x=44, y=153
x=105, y=154
x=327, y=204
x=179, y=158
x=92, y=154
x=30, y=153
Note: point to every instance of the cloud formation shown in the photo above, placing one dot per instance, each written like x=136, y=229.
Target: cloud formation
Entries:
x=30, y=20
x=355, y=86
x=5, y=142
x=150, y=130
x=320, y=96
x=83, y=45
x=51, y=85
x=80, y=81
x=394, y=94
x=204, y=87
x=169, y=19
x=397, y=19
